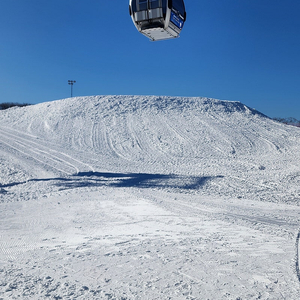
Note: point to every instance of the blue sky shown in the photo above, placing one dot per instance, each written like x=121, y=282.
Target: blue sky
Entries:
x=244, y=50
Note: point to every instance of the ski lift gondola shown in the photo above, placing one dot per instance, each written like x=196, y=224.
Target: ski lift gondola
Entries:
x=158, y=19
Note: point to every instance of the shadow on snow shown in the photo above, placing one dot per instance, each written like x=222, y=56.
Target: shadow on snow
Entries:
x=139, y=180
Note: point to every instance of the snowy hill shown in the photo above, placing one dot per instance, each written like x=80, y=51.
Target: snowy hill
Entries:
x=237, y=147
x=199, y=175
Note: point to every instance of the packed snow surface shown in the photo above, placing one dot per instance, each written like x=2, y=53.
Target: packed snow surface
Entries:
x=135, y=197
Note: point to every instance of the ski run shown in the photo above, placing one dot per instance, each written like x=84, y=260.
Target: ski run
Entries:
x=146, y=197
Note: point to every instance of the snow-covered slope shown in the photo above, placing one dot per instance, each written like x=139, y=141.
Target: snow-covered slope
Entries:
x=207, y=179
x=237, y=148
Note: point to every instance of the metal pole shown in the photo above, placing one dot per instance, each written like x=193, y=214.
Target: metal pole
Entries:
x=71, y=82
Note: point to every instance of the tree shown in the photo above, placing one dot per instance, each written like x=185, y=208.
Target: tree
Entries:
x=7, y=105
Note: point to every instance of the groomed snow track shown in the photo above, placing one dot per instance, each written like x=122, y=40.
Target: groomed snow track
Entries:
x=135, y=197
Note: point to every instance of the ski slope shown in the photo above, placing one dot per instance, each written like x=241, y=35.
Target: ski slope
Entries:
x=144, y=197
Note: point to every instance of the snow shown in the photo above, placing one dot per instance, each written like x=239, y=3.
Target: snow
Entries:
x=144, y=197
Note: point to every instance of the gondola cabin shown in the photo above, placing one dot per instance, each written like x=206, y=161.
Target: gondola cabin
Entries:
x=158, y=19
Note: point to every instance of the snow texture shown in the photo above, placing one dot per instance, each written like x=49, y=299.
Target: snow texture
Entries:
x=135, y=197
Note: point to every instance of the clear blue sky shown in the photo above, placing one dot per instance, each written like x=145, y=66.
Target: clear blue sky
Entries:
x=244, y=50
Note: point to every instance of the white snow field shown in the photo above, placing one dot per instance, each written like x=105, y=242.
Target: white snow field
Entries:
x=135, y=197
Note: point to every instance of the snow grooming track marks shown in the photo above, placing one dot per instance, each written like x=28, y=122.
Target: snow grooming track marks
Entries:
x=48, y=160
x=187, y=201
x=44, y=155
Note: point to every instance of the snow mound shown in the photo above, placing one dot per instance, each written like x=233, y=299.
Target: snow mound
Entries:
x=225, y=140
x=135, y=197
